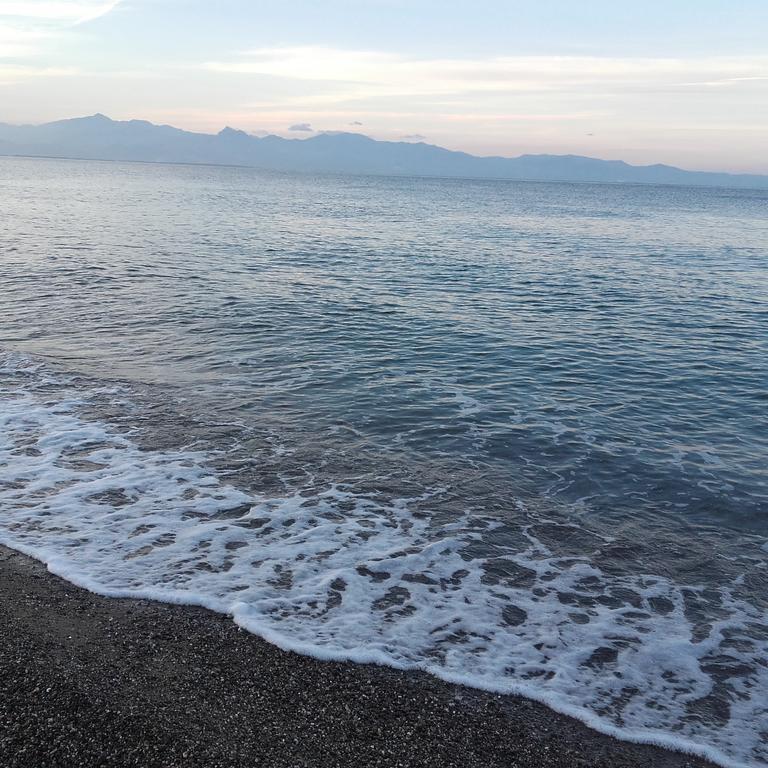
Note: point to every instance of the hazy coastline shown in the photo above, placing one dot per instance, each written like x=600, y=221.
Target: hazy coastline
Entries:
x=97, y=137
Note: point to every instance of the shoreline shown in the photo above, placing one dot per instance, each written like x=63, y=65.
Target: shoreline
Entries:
x=87, y=680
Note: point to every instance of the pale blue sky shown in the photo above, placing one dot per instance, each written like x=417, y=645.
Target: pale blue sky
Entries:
x=681, y=81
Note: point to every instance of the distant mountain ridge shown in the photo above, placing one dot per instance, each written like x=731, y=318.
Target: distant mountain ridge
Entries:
x=99, y=138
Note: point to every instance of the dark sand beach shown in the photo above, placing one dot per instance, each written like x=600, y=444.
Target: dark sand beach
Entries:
x=91, y=681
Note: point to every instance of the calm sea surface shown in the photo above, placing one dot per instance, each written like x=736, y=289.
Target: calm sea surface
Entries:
x=515, y=434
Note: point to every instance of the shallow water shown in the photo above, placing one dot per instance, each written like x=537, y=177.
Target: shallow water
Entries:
x=511, y=433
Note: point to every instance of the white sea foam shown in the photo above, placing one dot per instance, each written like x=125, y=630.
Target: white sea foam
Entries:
x=336, y=575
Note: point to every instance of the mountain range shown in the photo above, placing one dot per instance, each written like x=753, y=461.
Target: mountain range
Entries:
x=99, y=138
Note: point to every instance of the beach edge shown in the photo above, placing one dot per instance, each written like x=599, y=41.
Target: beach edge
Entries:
x=88, y=680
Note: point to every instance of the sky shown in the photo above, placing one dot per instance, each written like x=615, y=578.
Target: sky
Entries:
x=683, y=82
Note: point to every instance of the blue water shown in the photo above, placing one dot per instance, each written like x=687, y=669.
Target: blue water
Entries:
x=512, y=433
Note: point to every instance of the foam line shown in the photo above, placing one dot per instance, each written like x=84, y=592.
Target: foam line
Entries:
x=342, y=576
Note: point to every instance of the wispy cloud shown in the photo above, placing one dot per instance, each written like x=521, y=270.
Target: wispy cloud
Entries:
x=730, y=81
x=26, y=27
x=20, y=73
x=67, y=11
x=354, y=73
x=29, y=27
x=16, y=75
x=18, y=42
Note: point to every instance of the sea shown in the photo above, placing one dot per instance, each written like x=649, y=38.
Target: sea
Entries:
x=512, y=434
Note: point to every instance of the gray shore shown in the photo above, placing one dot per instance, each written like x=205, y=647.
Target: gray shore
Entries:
x=90, y=681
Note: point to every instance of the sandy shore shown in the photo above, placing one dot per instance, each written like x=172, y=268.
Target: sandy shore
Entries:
x=89, y=681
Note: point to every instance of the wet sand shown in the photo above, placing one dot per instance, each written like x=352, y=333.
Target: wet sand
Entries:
x=92, y=681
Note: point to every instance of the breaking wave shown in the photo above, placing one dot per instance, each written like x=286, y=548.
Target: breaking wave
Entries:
x=515, y=605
